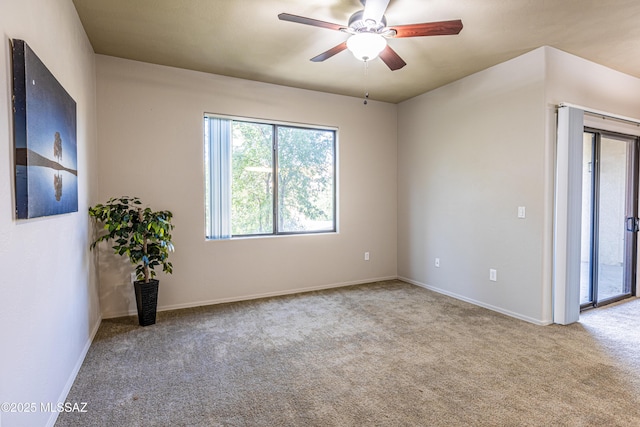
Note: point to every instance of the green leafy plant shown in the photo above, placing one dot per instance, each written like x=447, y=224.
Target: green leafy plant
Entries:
x=139, y=233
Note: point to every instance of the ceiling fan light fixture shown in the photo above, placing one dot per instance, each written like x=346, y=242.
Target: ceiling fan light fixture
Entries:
x=366, y=46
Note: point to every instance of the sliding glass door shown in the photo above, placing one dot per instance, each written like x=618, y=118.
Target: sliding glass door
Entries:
x=609, y=217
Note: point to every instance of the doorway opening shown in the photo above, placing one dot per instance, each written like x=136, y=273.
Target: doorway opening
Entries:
x=609, y=217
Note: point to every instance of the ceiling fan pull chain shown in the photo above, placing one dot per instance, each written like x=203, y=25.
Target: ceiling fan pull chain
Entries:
x=366, y=75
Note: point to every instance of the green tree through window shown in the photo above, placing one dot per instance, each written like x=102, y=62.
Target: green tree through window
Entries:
x=281, y=178
x=305, y=179
x=252, y=179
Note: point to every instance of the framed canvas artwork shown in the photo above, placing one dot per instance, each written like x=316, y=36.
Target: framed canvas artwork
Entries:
x=44, y=119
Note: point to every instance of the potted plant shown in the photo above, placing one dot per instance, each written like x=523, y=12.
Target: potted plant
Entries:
x=145, y=237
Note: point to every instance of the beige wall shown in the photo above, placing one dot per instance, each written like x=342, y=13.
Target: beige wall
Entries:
x=469, y=154
x=151, y=143
x=48, y=287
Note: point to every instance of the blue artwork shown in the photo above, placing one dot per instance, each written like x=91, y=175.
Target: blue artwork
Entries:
x=45, y=139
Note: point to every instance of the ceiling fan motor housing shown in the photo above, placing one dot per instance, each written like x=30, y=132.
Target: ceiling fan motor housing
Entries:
x=359, y=25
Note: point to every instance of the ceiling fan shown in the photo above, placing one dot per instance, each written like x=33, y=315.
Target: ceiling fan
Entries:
x=368, y=33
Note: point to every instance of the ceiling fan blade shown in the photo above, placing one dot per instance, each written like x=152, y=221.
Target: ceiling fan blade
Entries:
x=310, y=21
x=374, y=9
x=328, y=54
x=442, y=28
x=392, y=59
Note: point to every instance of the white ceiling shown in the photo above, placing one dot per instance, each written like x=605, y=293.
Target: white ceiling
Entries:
x=245, y=38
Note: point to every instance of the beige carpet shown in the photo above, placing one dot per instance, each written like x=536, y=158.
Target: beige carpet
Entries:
x=382, y=354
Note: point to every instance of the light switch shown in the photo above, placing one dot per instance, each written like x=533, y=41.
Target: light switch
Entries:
x=522, y=213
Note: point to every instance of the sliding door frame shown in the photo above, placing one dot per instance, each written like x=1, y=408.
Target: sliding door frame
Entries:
x=567, y=201
x=631, y=211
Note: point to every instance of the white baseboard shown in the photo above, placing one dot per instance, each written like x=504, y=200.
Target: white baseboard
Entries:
x=478, y=303
x=251, y=297
x=336, y=285
x=65, y=391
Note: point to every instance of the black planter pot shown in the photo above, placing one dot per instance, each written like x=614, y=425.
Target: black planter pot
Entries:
x=146, y=301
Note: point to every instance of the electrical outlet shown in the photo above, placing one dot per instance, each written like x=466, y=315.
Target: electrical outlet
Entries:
x=366, y=256
x=493, y=275
x=437, y=262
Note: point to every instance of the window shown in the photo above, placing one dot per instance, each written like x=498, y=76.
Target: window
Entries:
x=265, y=178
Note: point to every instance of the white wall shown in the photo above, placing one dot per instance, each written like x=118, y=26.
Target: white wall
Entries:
x=469, y=154
x=151, y=116
x=575, y=80
x=48, y=289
